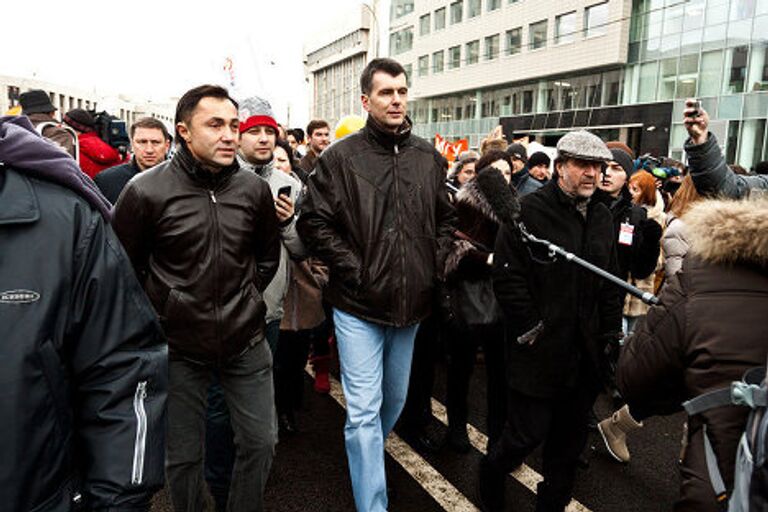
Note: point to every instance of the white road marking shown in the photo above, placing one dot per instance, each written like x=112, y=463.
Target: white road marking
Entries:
x=524, y=474
x=428, y=477
x=441, y=490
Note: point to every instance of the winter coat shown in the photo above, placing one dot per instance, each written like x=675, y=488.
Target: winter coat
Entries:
x=205, y=247
x=96, y=155
x=708, y=330
x=524, y=183
x=303, y=306
x=290, y=247
x=675, y=245
x=376, y=211
x=308, y=162
x=579, y=310
x=633, y=306
x=712, y=176
x=55, y=132
x=468, y=259
x=112, y=181
x=83, y=364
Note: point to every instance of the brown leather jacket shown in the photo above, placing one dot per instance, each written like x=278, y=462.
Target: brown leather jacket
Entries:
x=710, y=328
x=204, y=246
x=376, y=211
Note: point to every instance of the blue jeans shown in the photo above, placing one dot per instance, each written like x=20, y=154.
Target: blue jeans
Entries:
x=375, y=368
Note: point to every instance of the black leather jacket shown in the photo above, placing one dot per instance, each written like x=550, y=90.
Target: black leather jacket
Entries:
x=205, y=246
x=376, y=211
x=83, y=364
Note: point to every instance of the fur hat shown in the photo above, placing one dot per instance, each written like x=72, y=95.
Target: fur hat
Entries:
x=36, y=101
x=81, y=120
x=256, y=111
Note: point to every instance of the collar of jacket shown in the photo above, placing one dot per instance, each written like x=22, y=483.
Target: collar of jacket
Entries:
x=19, y=200
x=564, y=198
x=199, y=174
x=472, y=195
x=385, y=138
x=519, y=177
x=263, y=170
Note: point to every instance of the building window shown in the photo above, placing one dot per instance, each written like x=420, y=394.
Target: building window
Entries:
x=736, y=68
x=492, y=5
x=454, y=57
x=400, y=8
x=537, y=33
x=596, y=20
x=440, y=19
x=492, y=47
x=527, y=102
x=473, y=52
x=401, y=41
x=424, y=65
x=514, y=40
x=438, y=61
x=408, y=74
x=424, y=23
x=473, y=9
x=565, y=28
x=457, y=11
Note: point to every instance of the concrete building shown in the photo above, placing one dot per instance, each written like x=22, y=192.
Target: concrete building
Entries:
x=334, y=62
x=66, y=98
x=621, y=68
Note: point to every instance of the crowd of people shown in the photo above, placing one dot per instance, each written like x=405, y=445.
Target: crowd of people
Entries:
x=165, y=302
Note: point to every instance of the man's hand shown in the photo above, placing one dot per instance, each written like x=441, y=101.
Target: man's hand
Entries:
x=284, y=208
x=697, y=125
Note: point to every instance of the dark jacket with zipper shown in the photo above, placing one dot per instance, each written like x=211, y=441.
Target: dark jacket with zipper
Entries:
x=580, y=311
x=83, y=363
x=112, y=181
x=376, y=211
x=205, y=246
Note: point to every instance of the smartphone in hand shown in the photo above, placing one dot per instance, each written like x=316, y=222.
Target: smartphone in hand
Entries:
x=284, y=191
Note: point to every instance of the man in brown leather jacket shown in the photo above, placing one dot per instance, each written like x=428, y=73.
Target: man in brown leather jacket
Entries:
x=376, y=212
x=203, y=238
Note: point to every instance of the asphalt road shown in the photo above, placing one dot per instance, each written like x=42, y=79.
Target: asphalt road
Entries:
x=309, y=473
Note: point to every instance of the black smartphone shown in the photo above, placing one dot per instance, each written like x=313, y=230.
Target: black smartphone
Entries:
x=696, y=109
x=284, y=191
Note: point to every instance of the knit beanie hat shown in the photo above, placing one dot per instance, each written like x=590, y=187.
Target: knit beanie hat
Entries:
x=624, y=160
x=538, y=158
x=255, y=111
x=81, y=120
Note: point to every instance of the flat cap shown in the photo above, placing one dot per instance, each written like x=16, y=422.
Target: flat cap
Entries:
x=583, y=145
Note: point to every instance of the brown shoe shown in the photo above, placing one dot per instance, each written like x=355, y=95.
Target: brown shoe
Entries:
x=614, y=431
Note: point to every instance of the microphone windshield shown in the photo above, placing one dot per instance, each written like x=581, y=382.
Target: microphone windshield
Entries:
x=500, y=195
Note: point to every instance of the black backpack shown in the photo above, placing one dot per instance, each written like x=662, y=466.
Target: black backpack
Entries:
x=750, y=486
x=113, y=131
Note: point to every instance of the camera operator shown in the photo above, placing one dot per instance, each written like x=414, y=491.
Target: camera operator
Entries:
x=709, y=171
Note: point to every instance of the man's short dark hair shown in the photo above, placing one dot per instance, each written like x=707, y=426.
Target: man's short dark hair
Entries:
x=187, y=104
x=761, y=168
x=298, y=134
x=316, y=124
x=388, y=66
x=150, y=123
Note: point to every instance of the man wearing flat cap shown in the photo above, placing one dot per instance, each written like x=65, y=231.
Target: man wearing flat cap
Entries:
x=558, y=318
x=37, y=106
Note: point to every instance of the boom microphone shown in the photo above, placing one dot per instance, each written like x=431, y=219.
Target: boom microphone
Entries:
x=499, y=194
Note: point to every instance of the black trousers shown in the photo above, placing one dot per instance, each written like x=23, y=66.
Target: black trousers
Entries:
x=417, y=410
x=290, y=359
x=560, y=423
x=462, y=349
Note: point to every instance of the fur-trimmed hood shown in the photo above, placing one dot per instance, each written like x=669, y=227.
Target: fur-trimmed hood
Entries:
x=723, y=231
x=471, y=195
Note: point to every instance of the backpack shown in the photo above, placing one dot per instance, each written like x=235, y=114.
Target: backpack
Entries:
x=112, y=130
x=750, y=485
x=48, y=124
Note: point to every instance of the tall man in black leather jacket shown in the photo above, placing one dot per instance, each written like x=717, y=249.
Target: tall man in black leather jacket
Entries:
x=377, y=213
x=202, y=235
x=83, y=363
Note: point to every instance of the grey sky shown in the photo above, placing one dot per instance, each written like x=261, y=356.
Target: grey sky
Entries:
x=160, y=48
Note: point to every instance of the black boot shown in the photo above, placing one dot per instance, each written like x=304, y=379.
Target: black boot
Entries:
x=491, y=487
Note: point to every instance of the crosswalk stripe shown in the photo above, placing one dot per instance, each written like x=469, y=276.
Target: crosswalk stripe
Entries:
x=441, y=490
x=524, y=474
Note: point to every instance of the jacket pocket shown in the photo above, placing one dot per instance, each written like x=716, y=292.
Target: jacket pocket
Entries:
x=140, y=445
x=56, y=377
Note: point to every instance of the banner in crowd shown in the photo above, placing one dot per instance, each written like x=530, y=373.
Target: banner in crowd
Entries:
x=451, y=150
